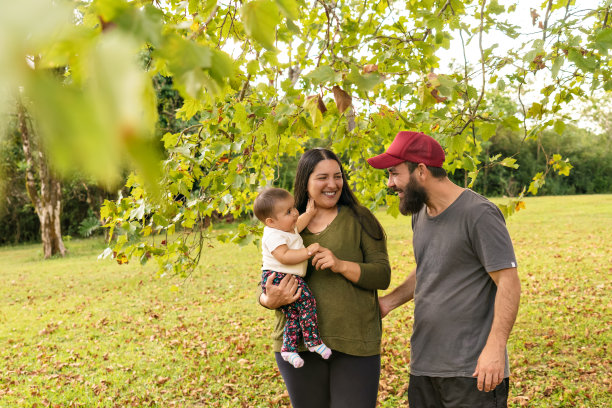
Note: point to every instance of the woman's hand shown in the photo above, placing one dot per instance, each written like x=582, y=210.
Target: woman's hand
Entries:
x=284, y=293
x=325, y=259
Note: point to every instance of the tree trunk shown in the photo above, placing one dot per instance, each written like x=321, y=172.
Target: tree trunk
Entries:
x=48, y=200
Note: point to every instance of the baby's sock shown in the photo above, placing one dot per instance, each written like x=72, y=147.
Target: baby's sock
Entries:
x=321, y=349
x=292, y=358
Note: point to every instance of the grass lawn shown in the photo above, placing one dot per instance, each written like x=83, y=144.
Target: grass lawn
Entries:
x=78, y=332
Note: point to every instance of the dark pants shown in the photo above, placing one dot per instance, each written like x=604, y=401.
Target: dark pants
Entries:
x=454, y=392
x=342, y=381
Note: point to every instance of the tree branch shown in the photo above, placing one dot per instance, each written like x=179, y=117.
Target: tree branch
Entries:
x=482, y=58
x=205, y=24
x=524, y=111
x=482, y=61
x=547, y=16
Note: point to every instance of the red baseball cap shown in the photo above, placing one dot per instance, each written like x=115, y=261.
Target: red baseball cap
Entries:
x=416, y=147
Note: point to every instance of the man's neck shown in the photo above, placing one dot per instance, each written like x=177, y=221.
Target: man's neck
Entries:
x=441, y=194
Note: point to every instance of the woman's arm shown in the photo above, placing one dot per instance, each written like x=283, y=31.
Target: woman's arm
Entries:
x=325, y=259
x=373, y=273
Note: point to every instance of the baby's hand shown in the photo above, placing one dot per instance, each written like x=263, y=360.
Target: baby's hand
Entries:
x=311, y=207
x=313, y=248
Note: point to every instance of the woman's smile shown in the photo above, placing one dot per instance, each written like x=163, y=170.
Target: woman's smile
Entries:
x=325, y=183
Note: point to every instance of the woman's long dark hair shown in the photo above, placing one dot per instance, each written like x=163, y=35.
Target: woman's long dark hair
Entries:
x=305, y=167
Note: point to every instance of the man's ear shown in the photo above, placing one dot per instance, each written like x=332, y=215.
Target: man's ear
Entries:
x=422, y=170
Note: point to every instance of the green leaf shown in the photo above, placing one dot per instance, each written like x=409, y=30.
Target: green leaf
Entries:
x=289, y=8
x=535, y=111
x=511, y=122
x=311, y=105
x=145, y=24
x=586, y=64
x=495, y=8
x=603, y=39
x=467, y=163
x=403, y=118
x=222, y=66
x=557, y=64
x=509, y=162
x=260, y=18
x=392, y=202
x=253, y=67
x=189, y=109
x=537, y=182
x=487, y=130
x=322, y=74
x=160, y=220
x=559, y=127
x=365, y=82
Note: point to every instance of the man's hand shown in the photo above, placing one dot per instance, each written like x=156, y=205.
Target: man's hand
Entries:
x=490, y=367
x=284, y=293
x=385, y=306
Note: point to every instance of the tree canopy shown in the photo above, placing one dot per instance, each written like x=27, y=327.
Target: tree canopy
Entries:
x=262, y=80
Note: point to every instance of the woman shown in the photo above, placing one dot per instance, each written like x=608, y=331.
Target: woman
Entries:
x=344, y=277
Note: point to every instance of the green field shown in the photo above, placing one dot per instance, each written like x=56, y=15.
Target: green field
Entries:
x=78, y=332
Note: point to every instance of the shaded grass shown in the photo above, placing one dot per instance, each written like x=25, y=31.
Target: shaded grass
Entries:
x=81, y=332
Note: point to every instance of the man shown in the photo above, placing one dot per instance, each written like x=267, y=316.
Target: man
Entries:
x=465, y=286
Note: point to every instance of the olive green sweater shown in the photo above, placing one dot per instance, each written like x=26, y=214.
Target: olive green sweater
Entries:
x=348, y=313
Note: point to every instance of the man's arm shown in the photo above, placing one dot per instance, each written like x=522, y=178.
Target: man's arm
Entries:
x=492, y=360
x=400, y=295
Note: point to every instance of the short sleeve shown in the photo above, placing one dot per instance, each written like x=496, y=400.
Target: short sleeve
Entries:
x=273, y=240
x=491, y=241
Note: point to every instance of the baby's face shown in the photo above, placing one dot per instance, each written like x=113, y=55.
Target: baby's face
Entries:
x=285, y=215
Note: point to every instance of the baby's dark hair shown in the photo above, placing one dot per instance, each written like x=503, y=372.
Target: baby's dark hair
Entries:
x=266, y=201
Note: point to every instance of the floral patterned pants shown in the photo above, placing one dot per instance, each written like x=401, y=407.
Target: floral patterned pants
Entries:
x=301, y=316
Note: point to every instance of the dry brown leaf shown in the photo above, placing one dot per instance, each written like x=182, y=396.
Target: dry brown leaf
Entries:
x=534, y=16
x=342, y=98
x=437, y=96
x=370, y=68
x=321, y=105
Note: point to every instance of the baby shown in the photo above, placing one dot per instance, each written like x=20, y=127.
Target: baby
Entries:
x=284, y=252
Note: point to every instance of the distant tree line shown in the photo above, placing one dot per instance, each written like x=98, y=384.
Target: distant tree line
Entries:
x=589, y=154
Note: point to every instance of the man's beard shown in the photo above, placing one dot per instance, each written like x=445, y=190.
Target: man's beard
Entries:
x=414, y=198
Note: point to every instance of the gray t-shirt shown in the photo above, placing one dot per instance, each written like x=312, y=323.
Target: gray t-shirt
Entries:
x=454, y=295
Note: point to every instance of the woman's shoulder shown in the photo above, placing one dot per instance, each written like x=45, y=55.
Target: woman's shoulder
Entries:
x=365, y=219
x=355, y=211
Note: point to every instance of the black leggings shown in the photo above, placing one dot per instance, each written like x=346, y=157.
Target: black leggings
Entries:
x=342, y=381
